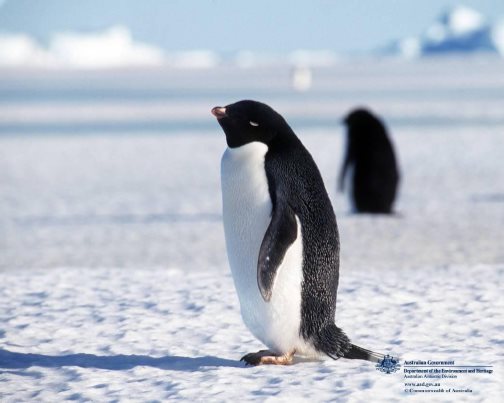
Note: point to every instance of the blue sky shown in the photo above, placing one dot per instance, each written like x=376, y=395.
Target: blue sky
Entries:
x=229, y=25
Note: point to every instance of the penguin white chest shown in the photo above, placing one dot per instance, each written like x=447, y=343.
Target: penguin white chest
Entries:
x=247, y=210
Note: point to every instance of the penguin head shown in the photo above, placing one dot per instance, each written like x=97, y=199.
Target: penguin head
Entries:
x=247, y=121
x=363, y=126
x=359, y=117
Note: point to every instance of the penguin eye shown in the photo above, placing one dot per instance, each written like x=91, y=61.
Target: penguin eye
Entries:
x=255, y=124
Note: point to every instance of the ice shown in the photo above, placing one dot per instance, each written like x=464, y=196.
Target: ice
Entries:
x=194, y=59
x=157, y=334
x=22, y=50
x=462, y=20
x=111, y=48
x=498, y=36
x=458, y=30
x=114, y=282
x=307, y=58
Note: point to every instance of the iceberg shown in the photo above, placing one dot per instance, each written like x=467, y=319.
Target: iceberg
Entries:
x=459, y=30
x=21, y=50
x=498, y=36
x=111, y=48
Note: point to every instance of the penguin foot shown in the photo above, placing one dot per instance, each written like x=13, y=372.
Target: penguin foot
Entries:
x=264, y=357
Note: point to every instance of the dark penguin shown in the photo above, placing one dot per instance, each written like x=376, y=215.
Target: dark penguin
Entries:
x=375, y=175
x=281, y=238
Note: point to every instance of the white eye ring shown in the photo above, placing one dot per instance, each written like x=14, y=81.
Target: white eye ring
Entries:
x=254, y=124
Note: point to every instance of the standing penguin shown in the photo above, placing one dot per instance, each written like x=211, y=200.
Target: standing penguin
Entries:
x=369, y=152
x=281, y=238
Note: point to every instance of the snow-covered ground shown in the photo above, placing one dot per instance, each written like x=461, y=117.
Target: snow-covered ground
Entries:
x=154, y=335
x=114, y=284
x=151, y=201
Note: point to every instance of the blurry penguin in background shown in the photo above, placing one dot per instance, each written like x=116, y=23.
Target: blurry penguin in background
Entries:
x=372, y=162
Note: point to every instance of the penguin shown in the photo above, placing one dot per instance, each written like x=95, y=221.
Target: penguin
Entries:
x=371, y=157
x=281, y=238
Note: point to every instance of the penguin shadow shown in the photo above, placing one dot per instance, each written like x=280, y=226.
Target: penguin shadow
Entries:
x=13, y=360
x=394, y=215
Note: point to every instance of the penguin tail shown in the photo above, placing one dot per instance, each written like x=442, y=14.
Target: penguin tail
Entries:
x=359, y=353
x=335, y=343
x=332, y=341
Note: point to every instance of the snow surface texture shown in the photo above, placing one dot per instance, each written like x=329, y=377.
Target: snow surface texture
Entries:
x=151, y=201
x=114, y=282
x=151, y=335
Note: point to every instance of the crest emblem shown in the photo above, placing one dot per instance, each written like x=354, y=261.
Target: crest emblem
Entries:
x=388, y=365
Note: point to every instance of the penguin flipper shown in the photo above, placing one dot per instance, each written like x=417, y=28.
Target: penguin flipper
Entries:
x=280, y=235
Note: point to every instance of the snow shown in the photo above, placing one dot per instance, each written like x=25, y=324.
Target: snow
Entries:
x=311, y=58
x=301, y=79
x=162, y=334
x=114, y=281
x=498, y=36
x=464, y=20
x=113, y=47
x=410, y=47
x=194, y=59
x=22, y=50
x=167, y=334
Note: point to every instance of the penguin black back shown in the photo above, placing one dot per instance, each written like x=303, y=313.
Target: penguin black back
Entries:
x=294, y=179
x=375, y=174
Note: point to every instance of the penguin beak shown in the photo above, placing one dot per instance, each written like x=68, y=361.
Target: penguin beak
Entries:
x=219, y=112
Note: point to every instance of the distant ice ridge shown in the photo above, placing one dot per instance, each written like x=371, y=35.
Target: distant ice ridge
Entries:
x=458, y=30
x=498, y=36
x=299, y=58
x=115, y=47
x=111, y=48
